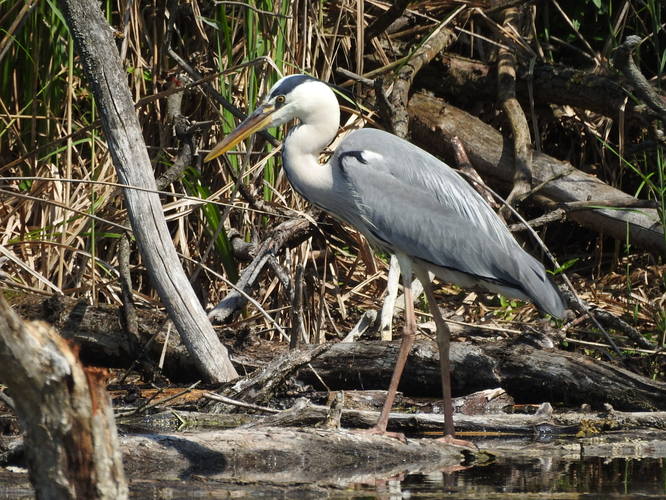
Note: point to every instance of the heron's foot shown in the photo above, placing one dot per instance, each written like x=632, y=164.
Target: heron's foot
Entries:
x=382, y=432
x=449, y=439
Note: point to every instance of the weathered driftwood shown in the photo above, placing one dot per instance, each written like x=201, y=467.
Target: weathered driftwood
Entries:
x=434, y=124
x=529, y=374
x=282, y=455
x=71, y=442
x=108, y=82
x=581, y=424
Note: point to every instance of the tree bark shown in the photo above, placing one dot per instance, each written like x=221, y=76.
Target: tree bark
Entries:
x=71, y=442
x=435, y=123
x=108, y=82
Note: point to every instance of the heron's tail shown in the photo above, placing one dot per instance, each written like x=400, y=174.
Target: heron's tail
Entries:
x=542, y=291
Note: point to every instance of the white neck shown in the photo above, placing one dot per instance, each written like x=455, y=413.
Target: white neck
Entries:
x=319, y=125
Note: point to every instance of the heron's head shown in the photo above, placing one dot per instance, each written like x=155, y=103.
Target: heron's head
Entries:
x=294, y=96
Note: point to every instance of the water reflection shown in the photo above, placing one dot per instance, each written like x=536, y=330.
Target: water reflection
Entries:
x=549, y=477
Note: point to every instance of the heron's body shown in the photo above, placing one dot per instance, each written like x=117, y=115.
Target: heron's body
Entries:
x=402, y=199
x=407, y=202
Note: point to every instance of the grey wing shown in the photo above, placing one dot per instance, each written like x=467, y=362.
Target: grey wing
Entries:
x=394, y=209
x=398, y=158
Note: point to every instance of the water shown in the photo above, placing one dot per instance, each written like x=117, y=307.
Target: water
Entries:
x=593, y=477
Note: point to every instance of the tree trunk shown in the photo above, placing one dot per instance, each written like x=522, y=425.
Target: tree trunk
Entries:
x=108, y=82
x=71, y=442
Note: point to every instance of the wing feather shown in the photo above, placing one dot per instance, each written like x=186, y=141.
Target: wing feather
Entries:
x=407, y=201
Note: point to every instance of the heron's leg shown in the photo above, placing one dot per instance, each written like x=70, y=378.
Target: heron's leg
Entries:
x=408, y=335
x=386, y=323
x=444, y=343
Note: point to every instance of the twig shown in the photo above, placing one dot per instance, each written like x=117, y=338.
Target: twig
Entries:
x=599, y=344
x=552, y=258
x=240, y=404
x=555, y=215
x=623, y=60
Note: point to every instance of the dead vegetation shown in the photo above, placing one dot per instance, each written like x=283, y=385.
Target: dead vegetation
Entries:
x=194, y=72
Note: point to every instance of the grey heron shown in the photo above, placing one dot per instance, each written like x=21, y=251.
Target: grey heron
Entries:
x=404, y=201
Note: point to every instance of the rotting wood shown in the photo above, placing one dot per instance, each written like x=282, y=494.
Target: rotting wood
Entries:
x=434, y=124
x=71, y=441
x=108, y=82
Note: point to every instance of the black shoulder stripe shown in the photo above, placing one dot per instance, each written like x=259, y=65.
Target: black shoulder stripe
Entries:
x=354, y=154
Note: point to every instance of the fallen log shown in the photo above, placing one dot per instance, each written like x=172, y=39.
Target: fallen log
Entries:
x=279, y=455
x=570, y=423
x=471, y=80
x=434, y=124
x=101, y=337
x=529, y=374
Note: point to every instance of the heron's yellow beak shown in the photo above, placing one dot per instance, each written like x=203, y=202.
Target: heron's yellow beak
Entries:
x=258, y=120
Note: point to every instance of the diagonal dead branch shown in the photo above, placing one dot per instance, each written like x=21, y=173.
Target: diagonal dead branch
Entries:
x=506, y=94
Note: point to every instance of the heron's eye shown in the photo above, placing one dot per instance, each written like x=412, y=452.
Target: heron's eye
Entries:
x=280, y=99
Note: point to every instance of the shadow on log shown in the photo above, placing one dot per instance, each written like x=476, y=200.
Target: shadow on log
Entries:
x=276, y=455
